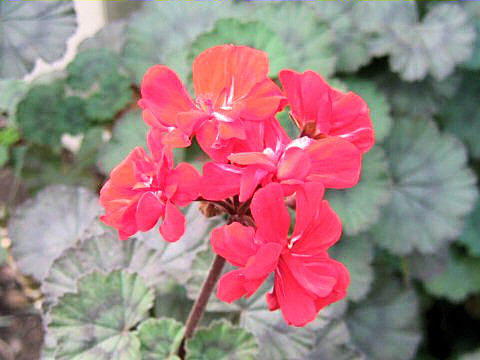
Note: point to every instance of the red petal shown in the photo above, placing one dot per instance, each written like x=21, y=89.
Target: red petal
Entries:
x=187, y=179
x=351, y=120
x=334, y=162
x=228, y=69
x=164, y=95
x=220, y=181
x=322, y=232
x=262, y=102
x=298, y=307
x=271, y=214
x=189, y=121
x=124, y=173
x=149, y=210
x=308, y=200
x=340, y=289
x=309, y=97
x=173, y=225
x=294, y=164
x=232, y=286
x=234, y=242
x=207, y=138
x=253, y=158
x=251, y=178
x=264, y=261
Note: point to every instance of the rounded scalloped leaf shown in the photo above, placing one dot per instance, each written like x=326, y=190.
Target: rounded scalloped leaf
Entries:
x=473, y=9
x=308, y=42
x=356, y=253
x=460, y=113
x=149, y=256
x=385, y=326
x=443, y=39
x=97, y=321
x=151, y=41
x=254, y=34
x=43, y=227
x=91, y=66
x=425, y=266
x=378, y=104
x=45, y=113
x=359, y=207
x=471, y=232
x=334, y=343
x=31, y=30
x=222, y=341
x=111, y=37
x=128, y=132
x=460, y=279
x=160, y=338
x=433, y=189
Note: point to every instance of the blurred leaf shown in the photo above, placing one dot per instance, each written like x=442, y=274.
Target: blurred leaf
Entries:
x=42, y=227
x=288, y=125
x=9, y=136
x=378, y=104
x=417, y=99
x=128, y=132
x=460, y=279
x=113, y=95
x=360, y=206
x=334, y=343
x=11, y=92
x=474, y=355
x=91, y=143
x=98, y=71
x=3, y=155
x=150, y=41
x=434, y=45
x=473, y=9
x=220, y=341
x=110, y=37
x=3, y=255
x=252, y=33
x=433, y=189
x=46, y=113
x=307, y=41
x=97, y=321
x=356, y=253
x=160, y=338
x=385, y=326
x=471, y=232
x=90, y=67
x=31, y=30
x=460, y=113
x=425, y=266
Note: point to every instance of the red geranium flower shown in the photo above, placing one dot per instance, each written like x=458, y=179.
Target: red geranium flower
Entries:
x=334, y=162
x=306, y=278
x=319, y=110
x=232, y=90
x=143, y=188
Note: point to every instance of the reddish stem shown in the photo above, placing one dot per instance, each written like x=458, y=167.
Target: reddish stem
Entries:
x=200, y=304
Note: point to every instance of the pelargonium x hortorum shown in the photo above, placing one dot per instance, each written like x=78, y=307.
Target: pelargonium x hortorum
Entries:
x=255, y=166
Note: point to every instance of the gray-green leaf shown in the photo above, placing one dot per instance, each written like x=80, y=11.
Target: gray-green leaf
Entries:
x=222, y=341
x=97, y=321
x=31, y=30
x=160, y=338
x=44, y=226
x=433, y=189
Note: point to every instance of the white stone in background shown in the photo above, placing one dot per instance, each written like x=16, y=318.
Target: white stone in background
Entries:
x=72, y=142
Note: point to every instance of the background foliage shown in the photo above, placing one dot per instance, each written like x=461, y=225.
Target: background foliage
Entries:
x=411, y=227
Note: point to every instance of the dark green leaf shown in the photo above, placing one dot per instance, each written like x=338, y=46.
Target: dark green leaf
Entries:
x=130, y=131
x=11, y=92
x=471, y=232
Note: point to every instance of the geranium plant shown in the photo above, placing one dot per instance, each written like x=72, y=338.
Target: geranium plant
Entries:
x=256, y=174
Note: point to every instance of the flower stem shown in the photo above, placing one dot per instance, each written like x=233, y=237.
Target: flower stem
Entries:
x=200, y=304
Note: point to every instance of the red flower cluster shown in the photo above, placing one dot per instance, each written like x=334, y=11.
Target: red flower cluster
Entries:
x=253, y=162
